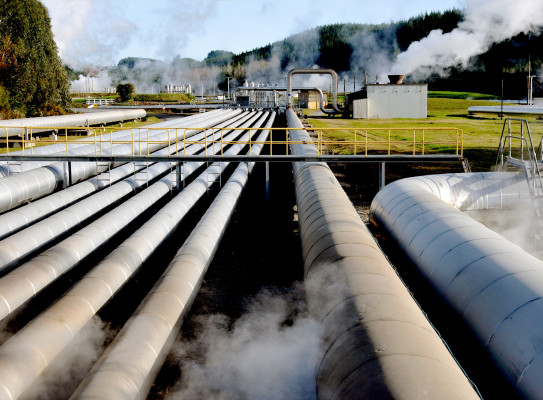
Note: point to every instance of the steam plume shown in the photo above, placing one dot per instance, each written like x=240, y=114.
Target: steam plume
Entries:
x=266, y=355
x=485, y=22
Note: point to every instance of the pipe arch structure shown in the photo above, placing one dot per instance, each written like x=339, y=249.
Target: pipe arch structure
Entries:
x=313, y=71
x=316, y=89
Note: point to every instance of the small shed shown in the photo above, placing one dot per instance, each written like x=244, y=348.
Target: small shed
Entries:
x=391, y=101
x=310, y=99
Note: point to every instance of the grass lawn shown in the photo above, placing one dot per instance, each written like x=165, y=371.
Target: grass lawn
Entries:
x=481, y=132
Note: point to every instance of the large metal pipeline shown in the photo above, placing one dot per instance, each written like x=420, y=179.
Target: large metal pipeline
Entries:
x=104, y=144
x=313, y=71
x=16, y=127
x=29, y=185
x=24, y=356
x=493, y=284
x=263, y=89
x=147, y=337
x=20, y=285
x=26, y=215
x=379, y=343
x=32, y=239
x=61, y=147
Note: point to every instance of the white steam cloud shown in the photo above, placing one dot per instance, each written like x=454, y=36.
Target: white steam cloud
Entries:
x=68, y=369
x=268, y=354
x=485, y=22
x=82, y=36
x=97, y=32
x=94, y=81
x=519, y=225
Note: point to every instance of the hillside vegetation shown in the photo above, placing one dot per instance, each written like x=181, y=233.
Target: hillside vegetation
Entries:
x=353, y=50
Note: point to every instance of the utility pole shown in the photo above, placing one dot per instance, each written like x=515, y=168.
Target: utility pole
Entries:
x=529, y=99
x=501, y=111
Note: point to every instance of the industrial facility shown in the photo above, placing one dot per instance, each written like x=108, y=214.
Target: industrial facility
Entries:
x=123, y=226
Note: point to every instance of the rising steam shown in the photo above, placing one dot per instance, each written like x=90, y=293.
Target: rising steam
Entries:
x=485, y=22
x=270, y=353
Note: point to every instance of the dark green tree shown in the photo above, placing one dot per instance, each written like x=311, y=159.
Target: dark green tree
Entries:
x=125, y=90
x=30, y=68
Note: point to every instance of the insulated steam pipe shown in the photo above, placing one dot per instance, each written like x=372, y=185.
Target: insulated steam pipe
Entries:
x=17, y=127
x=31, y=239
x=103, y=145
x=147, y=337
x=312, y=71
x=21, y=284
x=29, y=185
x=379, y=343
x=493, y=284
x=60, y=148
x=26, y=355
x=26, y=215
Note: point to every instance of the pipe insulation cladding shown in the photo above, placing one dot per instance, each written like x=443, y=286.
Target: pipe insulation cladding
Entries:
x=17, y=127
x=147, y=337
x=379, y=343
x=105, y=145
x=61, y=147
x=28, y=279
x=29, y=185
x=32, y=239
x=28, y=353
x=30, y=213
x=493, y=284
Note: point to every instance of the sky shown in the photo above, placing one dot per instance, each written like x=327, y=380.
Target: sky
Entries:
x=101, y=32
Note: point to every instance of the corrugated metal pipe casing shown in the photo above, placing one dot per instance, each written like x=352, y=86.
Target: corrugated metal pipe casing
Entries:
x=13, y=127
x=493, y=284
x=147, y=336
x=378, y=342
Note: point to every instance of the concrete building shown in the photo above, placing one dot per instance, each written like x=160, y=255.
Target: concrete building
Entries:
x=390, y=101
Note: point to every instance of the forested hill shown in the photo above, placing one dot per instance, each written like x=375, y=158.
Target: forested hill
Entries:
x=333, y=46
x=353, y=50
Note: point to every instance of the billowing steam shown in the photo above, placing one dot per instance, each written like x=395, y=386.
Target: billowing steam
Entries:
x=93, y=81
x=63, y=375
x=271, y=352
x=485, y=22
x=82, y=37
x=95, y=32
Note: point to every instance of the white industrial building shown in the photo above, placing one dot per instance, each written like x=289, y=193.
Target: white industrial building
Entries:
x=392, y=101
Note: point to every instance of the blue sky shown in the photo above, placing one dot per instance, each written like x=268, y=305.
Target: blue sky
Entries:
x=101, y=32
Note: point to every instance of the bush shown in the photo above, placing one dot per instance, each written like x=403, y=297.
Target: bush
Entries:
x=49, y=109
x=125, y=90
x=4, y=99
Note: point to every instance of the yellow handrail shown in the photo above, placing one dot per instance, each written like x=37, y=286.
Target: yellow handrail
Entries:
x=384, y=140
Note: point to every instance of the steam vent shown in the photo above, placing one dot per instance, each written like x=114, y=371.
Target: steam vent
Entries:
x=216, y=254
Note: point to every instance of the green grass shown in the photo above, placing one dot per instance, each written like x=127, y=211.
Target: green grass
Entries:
x=461, y=95
x=481, y=132
x=179, y=97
